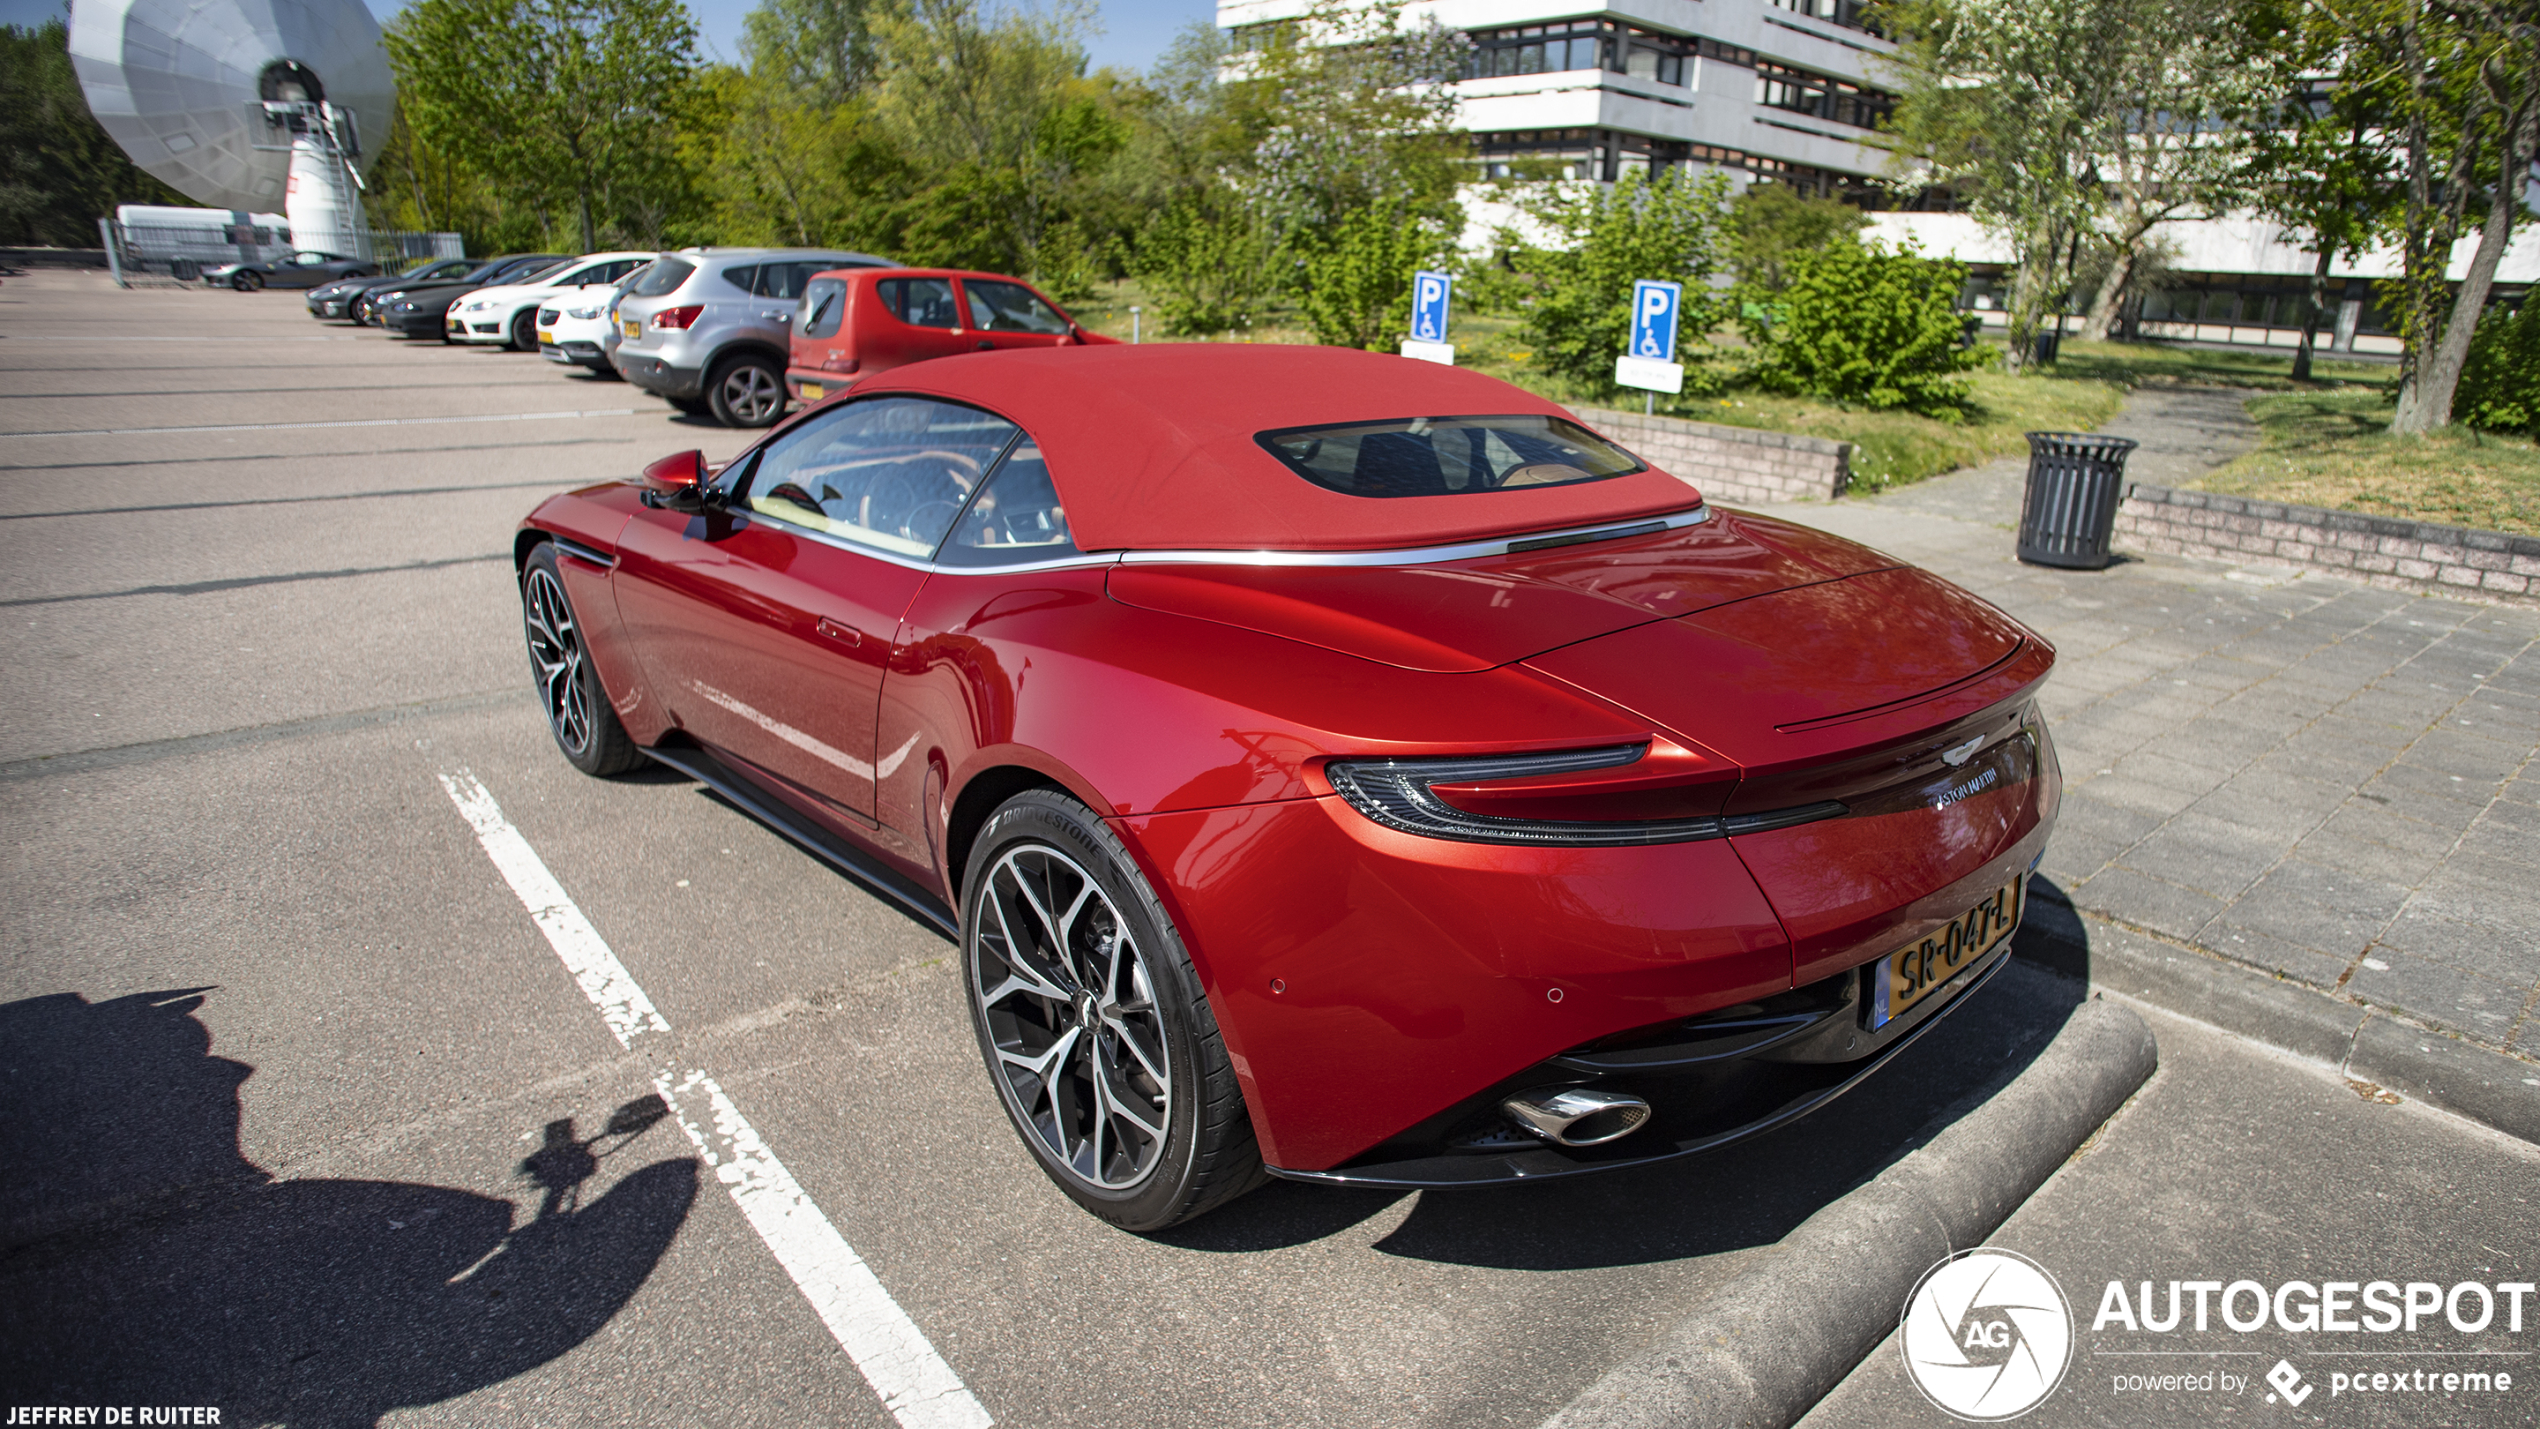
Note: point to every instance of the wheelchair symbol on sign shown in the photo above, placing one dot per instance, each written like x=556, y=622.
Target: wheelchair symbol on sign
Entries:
x=1654, y=314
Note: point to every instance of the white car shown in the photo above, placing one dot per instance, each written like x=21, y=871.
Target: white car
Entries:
x=506, y=316
x=579, y=328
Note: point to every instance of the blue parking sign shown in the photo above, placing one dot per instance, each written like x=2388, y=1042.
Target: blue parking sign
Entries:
x=1429, y=295
x=1655, y=308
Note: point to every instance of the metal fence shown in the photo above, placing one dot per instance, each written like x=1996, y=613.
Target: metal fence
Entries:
x=149, y=256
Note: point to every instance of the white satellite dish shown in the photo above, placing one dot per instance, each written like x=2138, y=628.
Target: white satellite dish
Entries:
x=239, y=103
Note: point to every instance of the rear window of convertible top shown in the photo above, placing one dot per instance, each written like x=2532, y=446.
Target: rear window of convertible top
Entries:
x=1447, y=456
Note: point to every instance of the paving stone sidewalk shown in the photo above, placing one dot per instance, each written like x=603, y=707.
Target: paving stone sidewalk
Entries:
x=2333, y=784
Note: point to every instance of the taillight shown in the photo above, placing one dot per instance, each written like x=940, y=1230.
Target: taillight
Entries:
x=677, y=319
x=1649, y=793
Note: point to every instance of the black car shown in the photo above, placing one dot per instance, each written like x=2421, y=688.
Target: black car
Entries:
x=419, y=311
x=342, y=298
x=291, y=270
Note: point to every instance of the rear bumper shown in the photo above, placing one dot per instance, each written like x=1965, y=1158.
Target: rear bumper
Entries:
x=812, y=384
x=1379, y=990
x=659, y=377
x=1703, y=1109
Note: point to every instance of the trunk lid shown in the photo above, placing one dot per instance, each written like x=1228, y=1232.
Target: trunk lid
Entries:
x=1470, y=615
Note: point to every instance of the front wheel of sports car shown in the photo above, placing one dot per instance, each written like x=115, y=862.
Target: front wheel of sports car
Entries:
x=1102, y=1046
x=578, y=711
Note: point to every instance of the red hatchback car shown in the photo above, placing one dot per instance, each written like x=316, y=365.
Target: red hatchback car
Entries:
x=858, y=321
x=1331, y=766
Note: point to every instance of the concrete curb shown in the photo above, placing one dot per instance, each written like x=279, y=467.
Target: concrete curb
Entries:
x=1770, y=1344
x=2369, y=1044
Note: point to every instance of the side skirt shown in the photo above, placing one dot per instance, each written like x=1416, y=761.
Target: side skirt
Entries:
x=723, y=779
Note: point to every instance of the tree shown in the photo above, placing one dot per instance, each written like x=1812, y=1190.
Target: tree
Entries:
x=2314, y=171
x=825, y=52
x=1208, y=262
x=2077, y=122
x=59, y=170
x=2453, y=91
x=2006, y=100
x=570, y=103
x=1769, y=223
x=997, y=103
x=1358, y=284
x=1613, y=236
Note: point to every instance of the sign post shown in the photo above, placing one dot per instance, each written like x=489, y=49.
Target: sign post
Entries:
x=1649, y=356
x=1430, y=295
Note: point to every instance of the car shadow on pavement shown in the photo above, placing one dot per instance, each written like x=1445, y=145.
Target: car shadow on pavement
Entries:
x=1744, y=1196
x=145, y=1260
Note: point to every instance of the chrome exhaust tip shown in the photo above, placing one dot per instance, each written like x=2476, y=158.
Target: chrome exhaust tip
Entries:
x=1577, y=1116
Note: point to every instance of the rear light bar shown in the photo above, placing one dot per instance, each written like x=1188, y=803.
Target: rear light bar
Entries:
x=1402, y=794
x=677, y=319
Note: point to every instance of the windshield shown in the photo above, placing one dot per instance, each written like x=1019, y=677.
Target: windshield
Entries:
x=541, y=274
x=1447, y=456
x=483, y=271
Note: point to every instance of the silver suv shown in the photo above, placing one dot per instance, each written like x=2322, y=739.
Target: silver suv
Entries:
x=710, y=328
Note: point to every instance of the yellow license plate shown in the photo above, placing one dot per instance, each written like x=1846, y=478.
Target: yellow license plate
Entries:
x=1909, y=975
x=546, y=337
x=632, y=326
x=813, y=391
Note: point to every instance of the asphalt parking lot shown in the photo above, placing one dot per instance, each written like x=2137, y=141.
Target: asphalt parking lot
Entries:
x=306, y=1119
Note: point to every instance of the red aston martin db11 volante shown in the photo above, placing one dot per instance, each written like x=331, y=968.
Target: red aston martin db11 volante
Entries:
x=1331, y=766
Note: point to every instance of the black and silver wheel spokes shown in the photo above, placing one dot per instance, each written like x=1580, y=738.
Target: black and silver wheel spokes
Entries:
x=555, y=653
x=1070, y=1005
x=750, y=394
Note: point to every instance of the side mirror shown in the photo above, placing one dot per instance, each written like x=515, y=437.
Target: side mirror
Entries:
x=676, y=483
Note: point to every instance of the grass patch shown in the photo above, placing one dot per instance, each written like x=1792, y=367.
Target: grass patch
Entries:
x=2333, y=449
x=2159, y=364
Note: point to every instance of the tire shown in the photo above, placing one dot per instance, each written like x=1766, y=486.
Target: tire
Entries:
x=746, y=392
x=578, y=711
x=359, y=310
x=525, y=330
x=246, y=282
x=1102, y=953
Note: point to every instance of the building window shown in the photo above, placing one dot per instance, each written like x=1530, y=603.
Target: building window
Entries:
x=1566, y=45
x=1607, y=154
x=1847, y=13
x=1821, y=96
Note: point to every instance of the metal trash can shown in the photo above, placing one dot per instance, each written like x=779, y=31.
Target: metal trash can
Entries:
x=2070, y=511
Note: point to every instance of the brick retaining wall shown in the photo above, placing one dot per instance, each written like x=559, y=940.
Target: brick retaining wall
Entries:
x=1731, y=463
x=2393, y=554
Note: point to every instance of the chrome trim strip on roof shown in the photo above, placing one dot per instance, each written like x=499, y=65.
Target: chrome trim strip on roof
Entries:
x=1419, y=555
x=1414, y=556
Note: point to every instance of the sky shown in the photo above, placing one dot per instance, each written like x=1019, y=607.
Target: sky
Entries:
x=1134, y=32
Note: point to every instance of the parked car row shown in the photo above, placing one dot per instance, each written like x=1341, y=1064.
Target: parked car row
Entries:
x=731, y=334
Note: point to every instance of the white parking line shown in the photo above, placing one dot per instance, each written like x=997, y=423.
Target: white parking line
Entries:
x=312, y=426
x=915, y=1383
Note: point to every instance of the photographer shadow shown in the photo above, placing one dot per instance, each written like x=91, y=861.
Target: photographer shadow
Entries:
x=145, y=1260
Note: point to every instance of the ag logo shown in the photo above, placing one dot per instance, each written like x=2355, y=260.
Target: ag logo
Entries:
x=1987, y=1334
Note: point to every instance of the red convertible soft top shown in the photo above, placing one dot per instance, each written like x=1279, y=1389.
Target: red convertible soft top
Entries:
x=1152, y=447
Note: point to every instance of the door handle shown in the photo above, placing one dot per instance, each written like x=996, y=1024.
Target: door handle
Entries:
x=986, y=346
x=846, y=635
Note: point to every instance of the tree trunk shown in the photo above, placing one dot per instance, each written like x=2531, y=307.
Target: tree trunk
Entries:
x=2425, y=401
x=2311, y=316
x=2104, y=305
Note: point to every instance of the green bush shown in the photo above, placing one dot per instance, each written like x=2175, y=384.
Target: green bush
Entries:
x=1357, y=290
x=1617, y=235
x=1865, y=326
x=2500, y=384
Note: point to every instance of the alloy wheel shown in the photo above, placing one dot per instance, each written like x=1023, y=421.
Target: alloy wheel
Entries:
x=751, y=393
x=555, y=650
x=1069, y=1002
